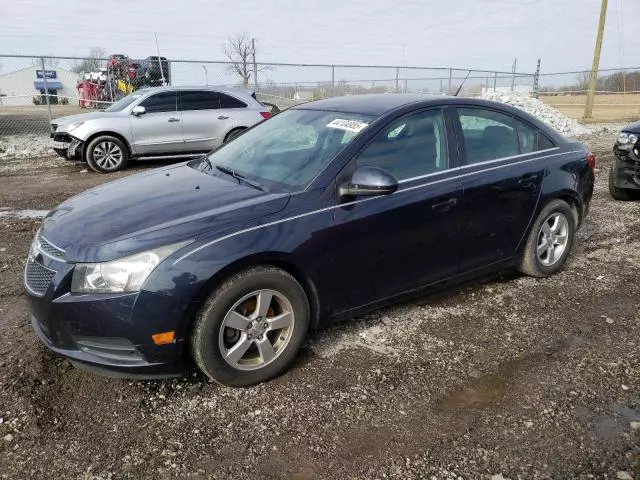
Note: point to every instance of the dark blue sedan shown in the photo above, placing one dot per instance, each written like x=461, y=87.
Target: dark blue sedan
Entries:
x=323, y=212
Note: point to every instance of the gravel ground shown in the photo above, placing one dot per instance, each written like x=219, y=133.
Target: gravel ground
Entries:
x=509, y=377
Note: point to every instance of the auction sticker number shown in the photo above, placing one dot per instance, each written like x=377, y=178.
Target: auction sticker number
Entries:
x=348, y=125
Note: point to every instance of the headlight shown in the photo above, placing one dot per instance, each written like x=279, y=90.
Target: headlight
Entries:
x=633, y=139
x=126, y=274
x=623, y=138
x=73, y=126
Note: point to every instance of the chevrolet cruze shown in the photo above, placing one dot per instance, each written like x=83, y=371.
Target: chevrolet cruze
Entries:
x=320, y=213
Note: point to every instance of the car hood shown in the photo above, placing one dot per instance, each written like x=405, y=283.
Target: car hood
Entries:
x=83, y=117
x=632, y=127
x=165, y=206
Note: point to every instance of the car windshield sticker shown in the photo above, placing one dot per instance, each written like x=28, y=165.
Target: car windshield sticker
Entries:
x=348, y=125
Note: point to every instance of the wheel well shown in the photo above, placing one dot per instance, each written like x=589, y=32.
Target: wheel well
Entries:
x=233, y=130
x=575, y=207
x=113, y=134
x=282, y=261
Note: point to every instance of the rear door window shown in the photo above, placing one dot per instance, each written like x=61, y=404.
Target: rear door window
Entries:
x=198, y=100
x=160, y=102
x=490, y=135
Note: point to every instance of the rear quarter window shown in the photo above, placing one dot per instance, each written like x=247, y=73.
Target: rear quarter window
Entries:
x=227, y=101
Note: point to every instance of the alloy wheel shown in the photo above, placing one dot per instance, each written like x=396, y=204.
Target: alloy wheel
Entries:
x=256, y=330
x=107, y=155
x=552, y=239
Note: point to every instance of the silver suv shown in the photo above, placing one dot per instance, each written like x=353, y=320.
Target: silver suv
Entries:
x=156, y=122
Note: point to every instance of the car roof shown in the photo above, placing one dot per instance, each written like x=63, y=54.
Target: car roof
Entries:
x=368, y=104
x=378, y=104
x=231, y=91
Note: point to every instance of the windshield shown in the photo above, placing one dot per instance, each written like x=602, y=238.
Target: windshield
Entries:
x=123, y=102
x=289, y=150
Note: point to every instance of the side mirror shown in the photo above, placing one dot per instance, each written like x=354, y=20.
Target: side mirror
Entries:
x=369, y=181
x=138, y=110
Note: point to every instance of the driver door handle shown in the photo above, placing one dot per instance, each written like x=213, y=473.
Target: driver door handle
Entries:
x=173, y=119
x=222, y=117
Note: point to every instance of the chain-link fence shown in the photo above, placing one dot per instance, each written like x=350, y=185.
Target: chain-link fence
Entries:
x=34, y=89
x=617, y=96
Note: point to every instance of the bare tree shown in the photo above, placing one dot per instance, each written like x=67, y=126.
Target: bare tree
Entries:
x=92, y=63
x=240, y=50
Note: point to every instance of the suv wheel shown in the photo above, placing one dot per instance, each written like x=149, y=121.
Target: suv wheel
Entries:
x=251, y=327
x=549, y=241
x=106, y=154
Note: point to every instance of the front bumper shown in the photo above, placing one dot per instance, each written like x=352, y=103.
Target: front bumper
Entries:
x=67, y=146
x=106, y=333
x=626, y=170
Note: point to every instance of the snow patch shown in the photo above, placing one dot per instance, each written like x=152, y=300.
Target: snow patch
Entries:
x=549, y=115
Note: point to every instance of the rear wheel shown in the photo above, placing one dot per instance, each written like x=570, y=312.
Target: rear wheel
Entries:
x=106, y=154
x=233, y=134
x=549, y=241
x=251, y=327
x=624, y=194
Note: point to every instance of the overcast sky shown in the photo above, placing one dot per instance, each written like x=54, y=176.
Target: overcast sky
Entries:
x=484, y=34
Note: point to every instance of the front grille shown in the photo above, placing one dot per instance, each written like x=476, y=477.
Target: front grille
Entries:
x=38, y=277
x=49, y=249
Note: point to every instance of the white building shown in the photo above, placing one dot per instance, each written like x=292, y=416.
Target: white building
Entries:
x=18, y=88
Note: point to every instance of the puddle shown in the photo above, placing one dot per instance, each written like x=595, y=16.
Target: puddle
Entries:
x=22, y=214
x=481, y=392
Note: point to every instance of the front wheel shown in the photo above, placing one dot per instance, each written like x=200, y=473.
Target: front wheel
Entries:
x=623, y=194
x=106, y=154
x=549, y=241
x=251, y=327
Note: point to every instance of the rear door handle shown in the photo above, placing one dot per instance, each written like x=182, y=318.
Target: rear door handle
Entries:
x=222, y=117
x=174, y=119
x=528, y=178
x=444, y=206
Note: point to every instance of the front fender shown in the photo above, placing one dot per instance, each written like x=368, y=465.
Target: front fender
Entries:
x=193, y=273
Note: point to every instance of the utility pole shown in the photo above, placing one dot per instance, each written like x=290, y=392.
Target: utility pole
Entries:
x=164, y=82
x=513, y=74
x=255, y=65
x=593, y=78
x=46, y=88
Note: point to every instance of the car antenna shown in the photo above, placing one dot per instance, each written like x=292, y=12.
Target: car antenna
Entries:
x=460, y=87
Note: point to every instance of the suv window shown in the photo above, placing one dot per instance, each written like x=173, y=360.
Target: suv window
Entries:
x=227, y=101
x=160, y=102
x=490, y=135
x=199, y=100
x=411, y=146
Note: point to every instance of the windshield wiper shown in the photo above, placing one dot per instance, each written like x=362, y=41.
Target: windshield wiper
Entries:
x=241, y=178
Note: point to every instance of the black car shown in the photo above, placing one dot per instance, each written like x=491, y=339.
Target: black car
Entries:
x=624, y=176
x=327, y=210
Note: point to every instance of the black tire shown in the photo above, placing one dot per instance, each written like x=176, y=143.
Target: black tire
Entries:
x=233, y=134
x=97, y=161
x=623, y=194
x=207, y=333
x=530, y=263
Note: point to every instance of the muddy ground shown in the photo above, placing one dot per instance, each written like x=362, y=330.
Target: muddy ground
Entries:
x=508, y=377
